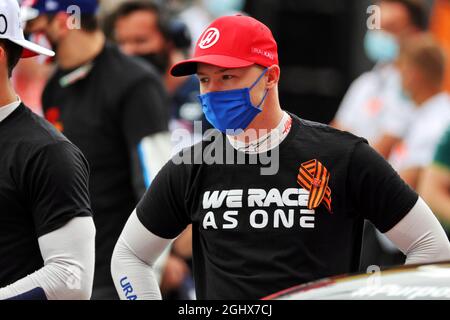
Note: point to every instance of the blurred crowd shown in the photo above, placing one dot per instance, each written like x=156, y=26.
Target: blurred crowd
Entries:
x=401, y=106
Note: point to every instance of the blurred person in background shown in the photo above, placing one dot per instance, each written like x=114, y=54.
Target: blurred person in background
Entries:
x=434, y=183
x=422, y=68
x=374, y=107
x=440, y=27
x=113, y=107
x=142, y=29
x=421, y=64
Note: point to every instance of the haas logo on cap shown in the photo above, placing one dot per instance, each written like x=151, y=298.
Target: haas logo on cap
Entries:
x=3, y=24
x=210, y=38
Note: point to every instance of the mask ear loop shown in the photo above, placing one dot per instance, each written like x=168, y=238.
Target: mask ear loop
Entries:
x=263, y=98
x=254, y=84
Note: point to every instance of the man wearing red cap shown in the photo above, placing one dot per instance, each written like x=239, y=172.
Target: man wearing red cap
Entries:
x=256, y=232
x=47, y=234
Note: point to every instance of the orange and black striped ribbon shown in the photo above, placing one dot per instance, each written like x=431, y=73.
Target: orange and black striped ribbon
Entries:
x=314, y=177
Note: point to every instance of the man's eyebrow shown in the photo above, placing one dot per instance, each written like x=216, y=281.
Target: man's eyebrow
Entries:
x=199, y=73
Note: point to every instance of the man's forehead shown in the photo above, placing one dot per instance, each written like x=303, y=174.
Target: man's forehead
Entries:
x=145, y=18
x=137, y=23
x=203, y=68
x=394, y=16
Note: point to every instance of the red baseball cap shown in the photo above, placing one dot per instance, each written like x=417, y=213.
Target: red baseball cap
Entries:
x=231, y=42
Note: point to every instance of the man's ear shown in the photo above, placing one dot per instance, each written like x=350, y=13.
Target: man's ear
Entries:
x=2, y=53
x=3, y=57
x=273, y=76
x=3, y=63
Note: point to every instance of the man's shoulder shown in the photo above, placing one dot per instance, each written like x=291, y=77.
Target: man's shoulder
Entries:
x=33, y=133
x=323, y=134
x=111, y=67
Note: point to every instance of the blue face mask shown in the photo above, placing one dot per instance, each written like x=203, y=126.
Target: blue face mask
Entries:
x=231, y=109
x=380, y=46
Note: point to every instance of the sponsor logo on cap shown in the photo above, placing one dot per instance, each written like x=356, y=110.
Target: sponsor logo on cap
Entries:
x=263, y=53
x=210, y=38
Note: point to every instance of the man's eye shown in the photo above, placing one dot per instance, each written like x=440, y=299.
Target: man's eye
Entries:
x=227, y=77
x=203, y=80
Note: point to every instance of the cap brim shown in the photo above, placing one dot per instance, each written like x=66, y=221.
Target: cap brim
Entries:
x=28, y=13
x=188, y=67
x=32, y=49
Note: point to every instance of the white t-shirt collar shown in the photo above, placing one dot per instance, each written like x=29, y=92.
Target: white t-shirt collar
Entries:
x=266, y=142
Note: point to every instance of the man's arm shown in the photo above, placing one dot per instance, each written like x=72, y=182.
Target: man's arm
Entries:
x=183, y=245
x=54, y=181
x=382, y=197
x=132, y=264
x=160, y=216
x=145, y=128
x=420, y=236
x=68, y=271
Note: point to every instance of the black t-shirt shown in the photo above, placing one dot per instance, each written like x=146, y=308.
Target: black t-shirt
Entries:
x=43, y=185
x=105, y=108
x=253, y=234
